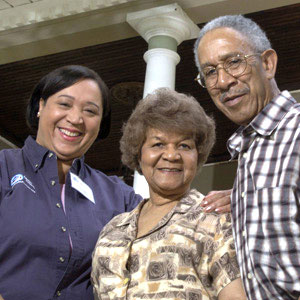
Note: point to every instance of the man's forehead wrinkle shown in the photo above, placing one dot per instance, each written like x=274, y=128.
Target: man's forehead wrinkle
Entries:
x=231, y=43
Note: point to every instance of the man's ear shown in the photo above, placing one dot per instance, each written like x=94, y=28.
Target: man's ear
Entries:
x=269, y=62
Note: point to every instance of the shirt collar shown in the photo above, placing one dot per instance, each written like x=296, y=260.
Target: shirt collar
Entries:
x=271, y=115
x=35, y=152
x=133, y=215
x=37, y=155
x=264, y=123
x=182, y=207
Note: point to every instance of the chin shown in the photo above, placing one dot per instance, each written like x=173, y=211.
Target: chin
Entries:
x=66, y=156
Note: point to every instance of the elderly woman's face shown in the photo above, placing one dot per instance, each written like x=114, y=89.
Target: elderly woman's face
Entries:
x=168, y=162
x=70, y=120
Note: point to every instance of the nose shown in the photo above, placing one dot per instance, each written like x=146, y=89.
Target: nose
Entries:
x=75, y=116
x=225, y=80
x=171, y=154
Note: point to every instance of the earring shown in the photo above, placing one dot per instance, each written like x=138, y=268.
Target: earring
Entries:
x=38, y=114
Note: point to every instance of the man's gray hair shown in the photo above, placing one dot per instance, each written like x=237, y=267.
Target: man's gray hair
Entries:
x=256, y=36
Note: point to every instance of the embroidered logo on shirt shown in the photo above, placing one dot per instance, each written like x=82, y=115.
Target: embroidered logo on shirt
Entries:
x=19, y=178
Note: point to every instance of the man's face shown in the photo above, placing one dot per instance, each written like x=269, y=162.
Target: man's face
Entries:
x=239, y=98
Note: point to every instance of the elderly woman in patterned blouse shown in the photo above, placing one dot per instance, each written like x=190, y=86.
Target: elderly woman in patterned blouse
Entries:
x=168, y=247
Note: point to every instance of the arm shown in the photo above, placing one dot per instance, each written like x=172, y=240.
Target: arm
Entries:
x=222, y=265
x=233, y=291
x=218, y=201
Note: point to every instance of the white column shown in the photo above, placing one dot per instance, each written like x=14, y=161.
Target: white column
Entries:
x=163, y=28
x=161, y=68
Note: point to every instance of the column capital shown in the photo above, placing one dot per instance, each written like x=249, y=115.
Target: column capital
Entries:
x=162, y=52
x=169, y=20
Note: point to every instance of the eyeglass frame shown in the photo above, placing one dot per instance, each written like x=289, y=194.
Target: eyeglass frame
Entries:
x=244, y=57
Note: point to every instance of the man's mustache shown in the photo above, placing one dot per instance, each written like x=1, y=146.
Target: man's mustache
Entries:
x=233, y=93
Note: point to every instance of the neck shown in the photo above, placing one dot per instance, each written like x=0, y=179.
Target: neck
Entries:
x=63, y=168
x=158, y=199
x=274, y=89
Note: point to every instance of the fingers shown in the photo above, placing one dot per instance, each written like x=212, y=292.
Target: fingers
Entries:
x=218, y=201
x=223, y=209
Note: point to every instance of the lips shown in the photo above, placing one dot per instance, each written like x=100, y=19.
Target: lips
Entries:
x=233, y=97
x=170, y=169
x=69, y=132
x=232, y=100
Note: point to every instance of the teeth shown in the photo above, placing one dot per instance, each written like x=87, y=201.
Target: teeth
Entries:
x=69, y=133
x=170, y=170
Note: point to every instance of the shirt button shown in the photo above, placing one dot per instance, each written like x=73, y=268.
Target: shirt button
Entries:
x=61, y=259
x=125, y=281
x=249, y=275
x=58, y=293
x=50, y=155
x=244, y=234
x=52, y=182
x=63, y=229
x=243, y=194
x=245, y=155
x=58, y=205
x=36, y=166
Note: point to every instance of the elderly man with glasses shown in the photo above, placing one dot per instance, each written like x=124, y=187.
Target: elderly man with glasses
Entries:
x=237, y=67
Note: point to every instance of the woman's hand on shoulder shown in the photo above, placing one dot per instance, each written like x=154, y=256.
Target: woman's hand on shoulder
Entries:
x=217, y=201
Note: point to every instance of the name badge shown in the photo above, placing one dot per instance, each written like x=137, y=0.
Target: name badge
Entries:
x=82, y=187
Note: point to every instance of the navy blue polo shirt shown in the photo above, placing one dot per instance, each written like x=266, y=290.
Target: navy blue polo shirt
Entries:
x=35, y=258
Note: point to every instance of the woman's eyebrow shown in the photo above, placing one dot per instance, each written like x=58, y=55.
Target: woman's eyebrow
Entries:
x=72, y=98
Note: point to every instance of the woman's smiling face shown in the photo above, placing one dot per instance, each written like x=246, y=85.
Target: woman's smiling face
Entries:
x=168, y=162
x=70, y=120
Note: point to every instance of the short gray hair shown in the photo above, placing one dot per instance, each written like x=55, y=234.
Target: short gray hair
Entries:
x=256, y=36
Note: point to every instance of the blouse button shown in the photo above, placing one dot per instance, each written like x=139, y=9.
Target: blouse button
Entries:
x=61, y=259
x=245, y=155
x=50, y=155
x=52, y=182
x=58, y=293
x=125, y=281
x=36, y=166
x=249, y=276
x=58, y=205
x=63, y=229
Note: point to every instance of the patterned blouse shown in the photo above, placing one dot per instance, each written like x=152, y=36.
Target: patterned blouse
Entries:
x=188, y=255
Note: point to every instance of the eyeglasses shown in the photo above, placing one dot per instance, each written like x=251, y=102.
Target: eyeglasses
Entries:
x=234, y=66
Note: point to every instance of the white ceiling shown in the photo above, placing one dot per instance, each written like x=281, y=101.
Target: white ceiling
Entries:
x=6, y=4
x=31, y=28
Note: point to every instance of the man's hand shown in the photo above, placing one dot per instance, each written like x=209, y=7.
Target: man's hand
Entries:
x=218, y=201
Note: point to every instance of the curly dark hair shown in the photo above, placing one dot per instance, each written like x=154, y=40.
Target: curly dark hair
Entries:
x=166, y=110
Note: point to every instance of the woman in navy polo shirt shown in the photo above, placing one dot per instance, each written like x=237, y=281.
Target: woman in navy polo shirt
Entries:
x=53, y=205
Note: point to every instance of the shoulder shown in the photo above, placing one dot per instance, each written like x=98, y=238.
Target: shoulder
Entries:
x=105, y=179
x=213, y=217
x=111, y=189
x=209, y=223
x=114, y=232
x=11, y=159
x=10, y=153
x=111, y=182
x=291, y=106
